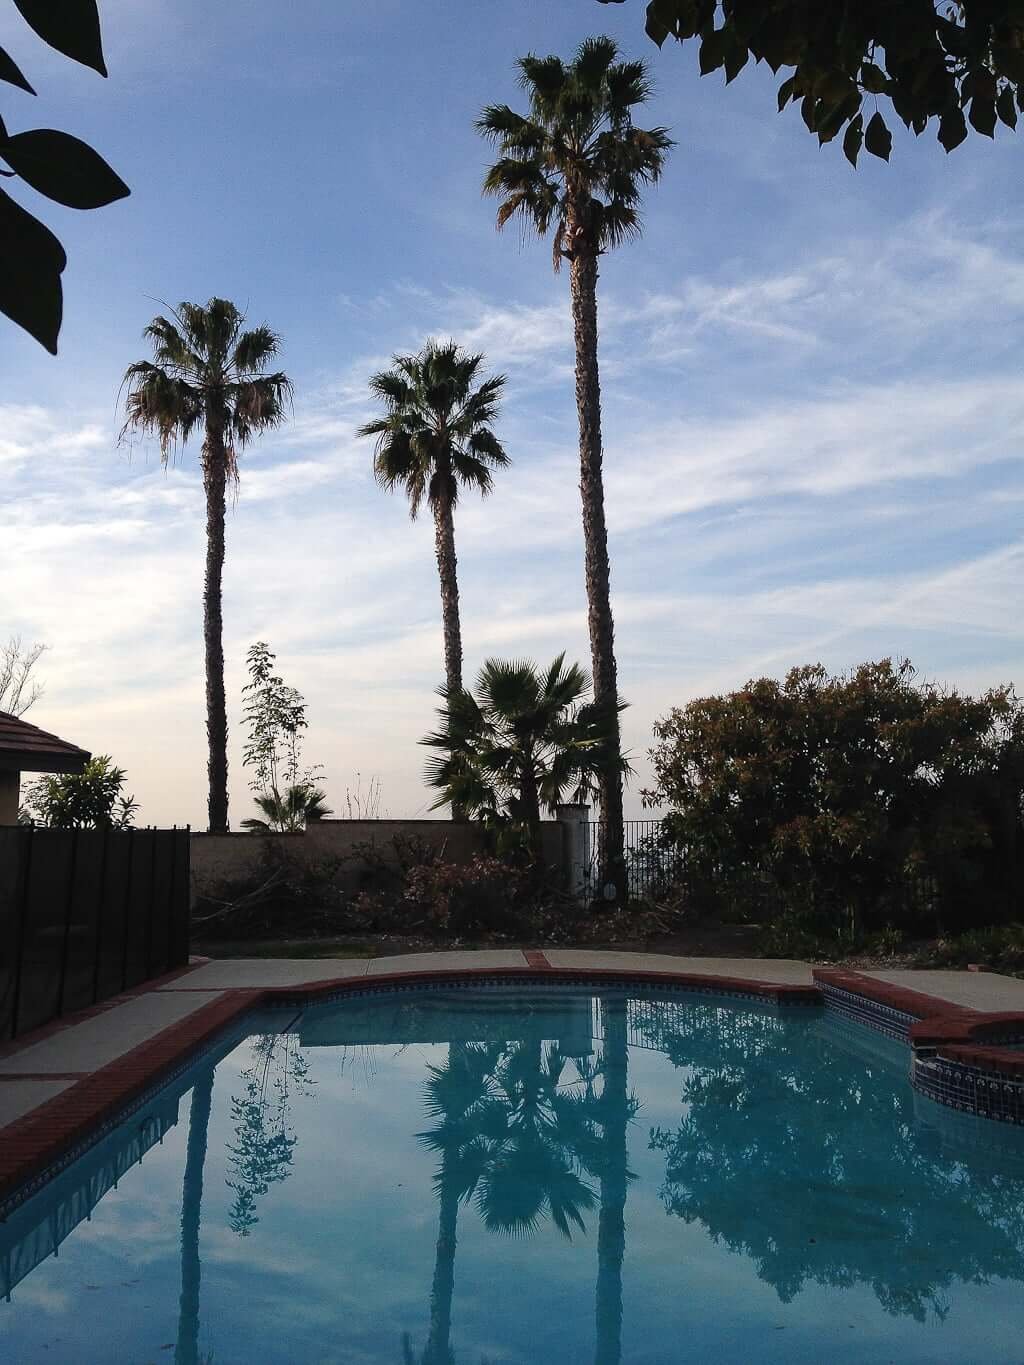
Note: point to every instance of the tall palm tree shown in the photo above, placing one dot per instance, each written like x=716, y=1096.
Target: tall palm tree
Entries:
x=434, y=437
x=520, y=742
x=576, y=163
x=437, y=435
x=212, y=372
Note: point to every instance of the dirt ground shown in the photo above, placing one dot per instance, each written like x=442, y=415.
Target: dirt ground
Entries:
x=699, y=940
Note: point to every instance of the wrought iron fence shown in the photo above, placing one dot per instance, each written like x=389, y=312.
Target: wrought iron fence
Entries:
x=654, y=863
x=85, y=914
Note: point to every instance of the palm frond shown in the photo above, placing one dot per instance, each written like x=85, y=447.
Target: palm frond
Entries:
x=544, y=79
x=436, y=434
x=205, y=363
x=627, y=84
x=577, y=154
x=592, y=66
x=171, y=349
x=258, y=405
x=254, y=349
x=160, y=404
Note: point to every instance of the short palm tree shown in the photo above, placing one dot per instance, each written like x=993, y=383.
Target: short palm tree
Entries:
x=576, y=164
x=290, y=811
x=435, y=437
x=209, y=372
x=521, y=742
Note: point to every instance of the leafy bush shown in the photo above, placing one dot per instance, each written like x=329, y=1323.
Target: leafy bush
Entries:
x=1000, y=947
x=836, y=806
x=91, y=799
x=488, y=897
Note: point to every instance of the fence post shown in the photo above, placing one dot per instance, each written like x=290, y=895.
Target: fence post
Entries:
x=101, y=901
x=127, y=907
x=69, y=904
x=575, y=822
x=21, y=902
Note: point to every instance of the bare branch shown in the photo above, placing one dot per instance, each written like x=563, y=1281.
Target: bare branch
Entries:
x=18, y=688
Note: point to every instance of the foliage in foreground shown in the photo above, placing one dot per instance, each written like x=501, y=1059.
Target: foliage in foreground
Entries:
x=948, y=62
x=54, y=164
x=846, y=804
x=91, y=799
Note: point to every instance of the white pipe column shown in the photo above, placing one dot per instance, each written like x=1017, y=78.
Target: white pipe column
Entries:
x=575, y=820
x=10, y=790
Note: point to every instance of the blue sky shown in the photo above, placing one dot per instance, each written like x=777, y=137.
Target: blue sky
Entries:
x=812, y=388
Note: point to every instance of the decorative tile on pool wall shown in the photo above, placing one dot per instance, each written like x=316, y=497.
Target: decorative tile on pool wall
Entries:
x=896, y=1023
x=989, y=1094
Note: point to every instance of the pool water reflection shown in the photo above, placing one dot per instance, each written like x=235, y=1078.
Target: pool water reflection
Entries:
x=482, y=1175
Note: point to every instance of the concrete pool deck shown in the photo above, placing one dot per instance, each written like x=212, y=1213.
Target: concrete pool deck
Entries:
x=59, y=1083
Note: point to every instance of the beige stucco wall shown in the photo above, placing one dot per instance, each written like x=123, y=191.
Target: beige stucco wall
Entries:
x=221, y=858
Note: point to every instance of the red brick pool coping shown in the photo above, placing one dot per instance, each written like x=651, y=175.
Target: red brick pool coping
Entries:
x=958, y=1033
x=30, y=1144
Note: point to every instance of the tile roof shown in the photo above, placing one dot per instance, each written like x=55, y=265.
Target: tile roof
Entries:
x=32, y=750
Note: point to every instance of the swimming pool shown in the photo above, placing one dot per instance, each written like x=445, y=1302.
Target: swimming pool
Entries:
x=510, y=1175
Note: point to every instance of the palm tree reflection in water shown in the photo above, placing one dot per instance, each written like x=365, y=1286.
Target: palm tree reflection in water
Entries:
x=186, y=1351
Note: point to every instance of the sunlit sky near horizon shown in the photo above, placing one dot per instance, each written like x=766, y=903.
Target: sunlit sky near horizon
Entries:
x=813, y=397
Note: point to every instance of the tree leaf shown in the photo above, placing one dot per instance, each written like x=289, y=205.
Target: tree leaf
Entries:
x=660, y=23
x=982, y=115
x=952, y=128
x=1006, y=108
x=31, y=262
x=853, y=140
x=70, y=26
x=787, y=90
x=63, y=168
x=736, y=57
x=877, y=138
x=11, y=72
x=713, y=49
x=873, y=78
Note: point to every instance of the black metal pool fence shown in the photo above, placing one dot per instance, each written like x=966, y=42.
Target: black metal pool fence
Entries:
x=85, y=914
x=658, y=866
x=654, y=864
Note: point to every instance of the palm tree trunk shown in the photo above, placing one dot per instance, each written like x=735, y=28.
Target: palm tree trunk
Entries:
x=438, y=1349
x=186, y=1350
x=447, y=568
x=611, y=1226
x=214, y=481
x=530, y=798
x=583, y=290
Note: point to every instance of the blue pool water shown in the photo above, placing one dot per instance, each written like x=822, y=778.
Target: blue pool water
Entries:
x=481, y=1175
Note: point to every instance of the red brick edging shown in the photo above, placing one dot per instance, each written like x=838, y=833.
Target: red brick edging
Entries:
x=957, y=1032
